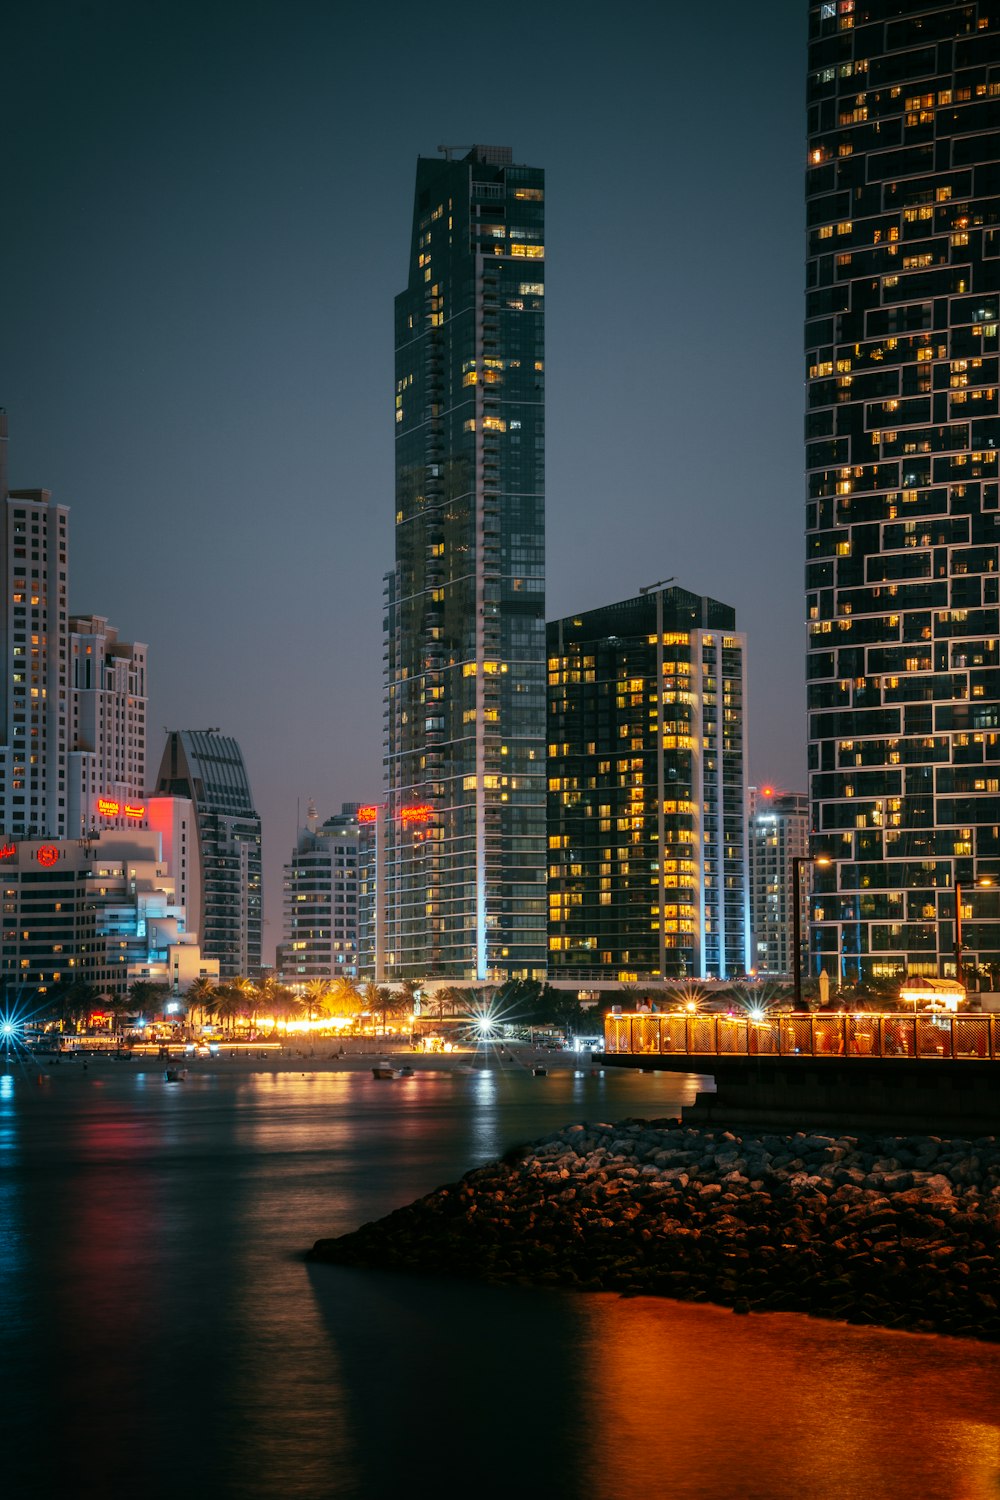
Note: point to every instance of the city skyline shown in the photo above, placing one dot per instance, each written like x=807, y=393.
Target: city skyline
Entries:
x=198, y=356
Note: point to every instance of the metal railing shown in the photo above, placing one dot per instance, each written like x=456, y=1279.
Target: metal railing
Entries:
x=886, y=1036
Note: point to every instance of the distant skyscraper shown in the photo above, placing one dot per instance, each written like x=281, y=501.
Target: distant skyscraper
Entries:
x=647, y=791
x=207, y=767
x=902, y=516
x=778, y=830
x=321, y=900
x=465, y=754
x=34, y=697
x=72, y=696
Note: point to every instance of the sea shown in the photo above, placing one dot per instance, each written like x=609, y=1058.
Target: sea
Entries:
x=161, y=1334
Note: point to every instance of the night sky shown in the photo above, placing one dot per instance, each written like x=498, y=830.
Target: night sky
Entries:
x=206, y=215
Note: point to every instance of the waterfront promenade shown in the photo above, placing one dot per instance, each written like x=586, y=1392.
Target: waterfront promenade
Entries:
x=851, y=1071
x=843, y=1035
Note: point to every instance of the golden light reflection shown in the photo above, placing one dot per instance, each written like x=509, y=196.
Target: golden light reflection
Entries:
x=700, y=1403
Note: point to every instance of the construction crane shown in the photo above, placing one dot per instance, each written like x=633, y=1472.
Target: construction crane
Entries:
x=659, y=584
x=449, y=149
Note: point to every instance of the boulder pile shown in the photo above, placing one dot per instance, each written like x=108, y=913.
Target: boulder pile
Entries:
x=900, y=1232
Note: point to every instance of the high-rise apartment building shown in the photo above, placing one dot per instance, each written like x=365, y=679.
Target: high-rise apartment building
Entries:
x=321, y=899
x=207, y=768
x=72, y=696
x=465, y=626
x=106, y=760
x=371, y=892
x=903, y=524
x=647, y=791
x=778, y=833
x=34, y=693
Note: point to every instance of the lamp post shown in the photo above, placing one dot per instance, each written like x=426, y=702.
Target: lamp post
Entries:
x=983, y=881
x=798, y=860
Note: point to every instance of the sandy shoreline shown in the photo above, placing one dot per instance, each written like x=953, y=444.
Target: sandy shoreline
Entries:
x=318, y=1059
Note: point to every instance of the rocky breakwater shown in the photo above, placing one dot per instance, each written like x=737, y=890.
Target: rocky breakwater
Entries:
x=901, y=1232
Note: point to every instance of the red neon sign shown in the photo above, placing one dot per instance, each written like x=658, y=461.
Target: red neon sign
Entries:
x=367, y=814
x=135, y=809
x=47, y=855
x=108, y=808
x=7, y=851
x=421, y=813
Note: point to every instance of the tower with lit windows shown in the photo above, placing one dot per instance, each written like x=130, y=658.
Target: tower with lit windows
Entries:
x=465, y=604
x=321, y=897
x=903, y=519
x=207, y=769
x=34, y=693
x=647, y=791
x=778, y=833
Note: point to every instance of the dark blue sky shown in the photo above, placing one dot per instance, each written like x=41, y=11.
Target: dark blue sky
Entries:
x=206, y=211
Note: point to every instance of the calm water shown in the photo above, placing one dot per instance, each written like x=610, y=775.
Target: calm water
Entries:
x=160, y=1334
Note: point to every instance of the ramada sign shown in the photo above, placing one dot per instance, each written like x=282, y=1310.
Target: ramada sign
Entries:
x=109, y=808
x=421, y=813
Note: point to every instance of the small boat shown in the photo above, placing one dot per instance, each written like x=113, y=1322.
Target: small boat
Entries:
x=175, y=1075
x=383, y=1070
x=539, y=1071
x=405, y=1072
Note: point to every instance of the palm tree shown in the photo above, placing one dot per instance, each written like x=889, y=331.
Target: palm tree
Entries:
x=247, y=991
x=202, y=997
x=285, y=1004
x=379, y=999
x=410, y=989
x=266, y=993
x=316, y=998
x=347, y=999
x=146, y=994
x=458, y=997
x=232, y=1001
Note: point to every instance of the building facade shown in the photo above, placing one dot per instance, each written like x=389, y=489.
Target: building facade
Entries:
x=647, y=834
x=72, y=695
x=34, y=679
x=903, y=524
x=98, y=911
x=321, y=899
x=465, y=603
x=778, y=833
x=106, y=759
x=371, y=892
x=207, y=769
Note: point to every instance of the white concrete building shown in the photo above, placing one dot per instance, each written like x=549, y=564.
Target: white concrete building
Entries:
x=321, y=899
x=778, y=827
x=34, y=695
x=106, y=763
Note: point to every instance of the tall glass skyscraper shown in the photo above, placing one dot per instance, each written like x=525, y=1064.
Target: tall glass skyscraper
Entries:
x=207, y=768
x=465, y=625
x=903, y=588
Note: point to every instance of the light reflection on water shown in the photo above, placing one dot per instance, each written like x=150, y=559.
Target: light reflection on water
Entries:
x=159, y=1319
